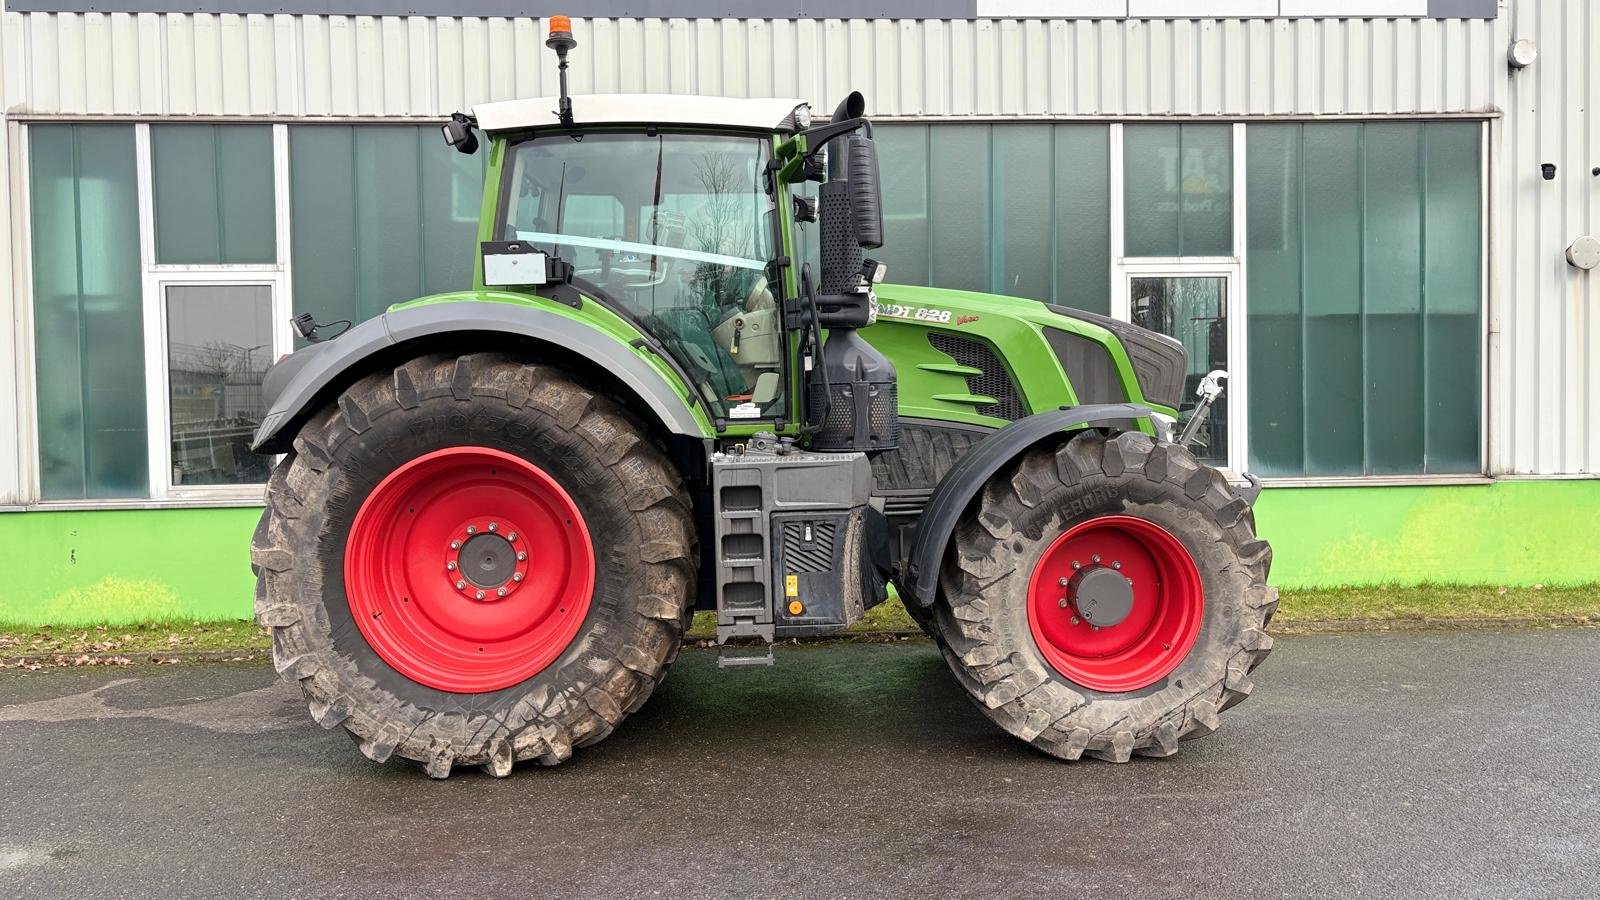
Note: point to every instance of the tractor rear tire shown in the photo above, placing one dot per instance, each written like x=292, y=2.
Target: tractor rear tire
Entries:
x=418, y=479
x=1165, y=547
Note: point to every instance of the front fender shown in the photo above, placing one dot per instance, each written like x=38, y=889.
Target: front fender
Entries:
x=967, y=477
x=296, y=386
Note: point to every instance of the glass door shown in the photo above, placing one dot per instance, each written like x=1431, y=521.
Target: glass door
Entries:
x=1193, y=309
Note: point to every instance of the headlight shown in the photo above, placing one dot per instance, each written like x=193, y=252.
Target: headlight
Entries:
x=802, y=117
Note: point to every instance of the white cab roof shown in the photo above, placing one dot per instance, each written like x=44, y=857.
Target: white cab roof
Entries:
x=767, y=114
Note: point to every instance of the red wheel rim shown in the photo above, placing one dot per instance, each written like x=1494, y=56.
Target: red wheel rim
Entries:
x=1146, y=627
x=468, y=569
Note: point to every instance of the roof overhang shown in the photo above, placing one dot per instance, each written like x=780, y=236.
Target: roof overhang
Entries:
x=765, y=114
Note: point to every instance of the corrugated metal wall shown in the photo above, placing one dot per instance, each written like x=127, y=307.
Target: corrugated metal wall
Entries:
x=1546, y=326
x=178, y=64
x=1544, y=380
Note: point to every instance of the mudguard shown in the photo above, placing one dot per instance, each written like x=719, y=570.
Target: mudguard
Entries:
x=292, y=387
x=967, y=477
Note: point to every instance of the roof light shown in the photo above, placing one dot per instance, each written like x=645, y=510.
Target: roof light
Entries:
x=560, y=38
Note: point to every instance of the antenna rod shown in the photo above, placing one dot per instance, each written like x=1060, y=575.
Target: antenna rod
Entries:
x=561, y=40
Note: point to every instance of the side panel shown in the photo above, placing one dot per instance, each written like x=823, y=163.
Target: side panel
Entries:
x=966, y=478
x=314, y=370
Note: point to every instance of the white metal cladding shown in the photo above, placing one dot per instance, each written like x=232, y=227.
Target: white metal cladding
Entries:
x=183, y=64
x=1544, y=377
x=1545, y=393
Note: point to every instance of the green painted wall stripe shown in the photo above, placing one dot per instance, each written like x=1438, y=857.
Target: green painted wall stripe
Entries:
x=1506, y=532
x=123, y=566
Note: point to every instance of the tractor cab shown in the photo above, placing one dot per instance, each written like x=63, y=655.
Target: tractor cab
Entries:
x=677, y=229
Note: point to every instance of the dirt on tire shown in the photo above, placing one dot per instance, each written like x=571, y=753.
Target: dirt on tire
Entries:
x=628, y=492
x=981, y=614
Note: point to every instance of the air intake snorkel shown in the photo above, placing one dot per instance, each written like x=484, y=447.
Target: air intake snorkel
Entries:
x=852, y=389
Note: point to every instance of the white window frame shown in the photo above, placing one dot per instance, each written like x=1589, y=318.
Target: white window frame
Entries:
x=1125, y=268
x=157, y=277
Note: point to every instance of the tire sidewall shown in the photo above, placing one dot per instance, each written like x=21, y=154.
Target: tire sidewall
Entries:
x=1164, y=504
x=363, y=460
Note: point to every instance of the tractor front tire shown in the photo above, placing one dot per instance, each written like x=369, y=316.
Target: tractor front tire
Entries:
x=470, y=560
x=1106, y=595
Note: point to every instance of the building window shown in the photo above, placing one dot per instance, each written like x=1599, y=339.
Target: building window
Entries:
x=380, y=215
x=1017, y=209
x=219, y=342
x=1178, y=190
x=1365, y=285
x=92, y=436
x=213, y=194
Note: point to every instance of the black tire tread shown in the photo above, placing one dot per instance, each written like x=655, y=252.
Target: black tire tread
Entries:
x=1016, y=690
x=544, y=725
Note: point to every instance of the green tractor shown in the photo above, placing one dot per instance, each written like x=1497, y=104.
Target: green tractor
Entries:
x=497, y=510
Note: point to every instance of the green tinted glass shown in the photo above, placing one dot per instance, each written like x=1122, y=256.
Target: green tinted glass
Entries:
x=88, y=318
x=213, y=194
x=1019, y=209
x=1082, y=224
x=381, y=214
x=1178, y=190
x=1364, y=290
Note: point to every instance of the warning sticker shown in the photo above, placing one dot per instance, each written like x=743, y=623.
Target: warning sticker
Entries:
x=791, y=585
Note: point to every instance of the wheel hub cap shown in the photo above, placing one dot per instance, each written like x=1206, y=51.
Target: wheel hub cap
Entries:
x=1103, y=597
x=1115, y=603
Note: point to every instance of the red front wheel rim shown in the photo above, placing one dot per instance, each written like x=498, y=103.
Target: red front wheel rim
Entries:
x=469, y=569
x=1115, y=603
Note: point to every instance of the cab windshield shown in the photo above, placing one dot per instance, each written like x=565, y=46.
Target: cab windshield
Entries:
x=678, y=229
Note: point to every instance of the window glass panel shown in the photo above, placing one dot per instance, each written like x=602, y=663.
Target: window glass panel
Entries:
x=1334, y=384
x=380, y=215
x=1392, y=255
x=1193, y=310
x=1178, y=190
x=1047, y=186
x=1082, y=227
x=1452, y=223
x=676, y=227
x=1364, y=292
x=88, y=315
x=903, y=164
x=1023, y=228
x=219, y=343
x=1277, y=410
x=213, y=194
x=958, y=246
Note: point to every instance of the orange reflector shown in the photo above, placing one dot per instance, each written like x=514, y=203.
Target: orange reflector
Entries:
x=560, y=24
x=796, y=607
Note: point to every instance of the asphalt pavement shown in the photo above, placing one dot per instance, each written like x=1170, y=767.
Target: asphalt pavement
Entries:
x=1439, y=764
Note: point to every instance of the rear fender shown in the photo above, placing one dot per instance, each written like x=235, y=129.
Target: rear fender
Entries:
x=301, y=383
x=968, y=476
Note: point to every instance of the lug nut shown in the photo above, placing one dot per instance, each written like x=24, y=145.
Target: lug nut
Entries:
x=1061, y=582
x=1094, y=627
x=501, y=592
x=522, y=555
x=480, y=595
x=1076, y=564
x=516, y=576
x=511, y=536
x=1074, y=620
x=494, y=526
x=472, y=529
x=1063, y=603
x=1115, y=564
x=455, y=545
x=461, y=585
x=450, y=566
x=1094, y=559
